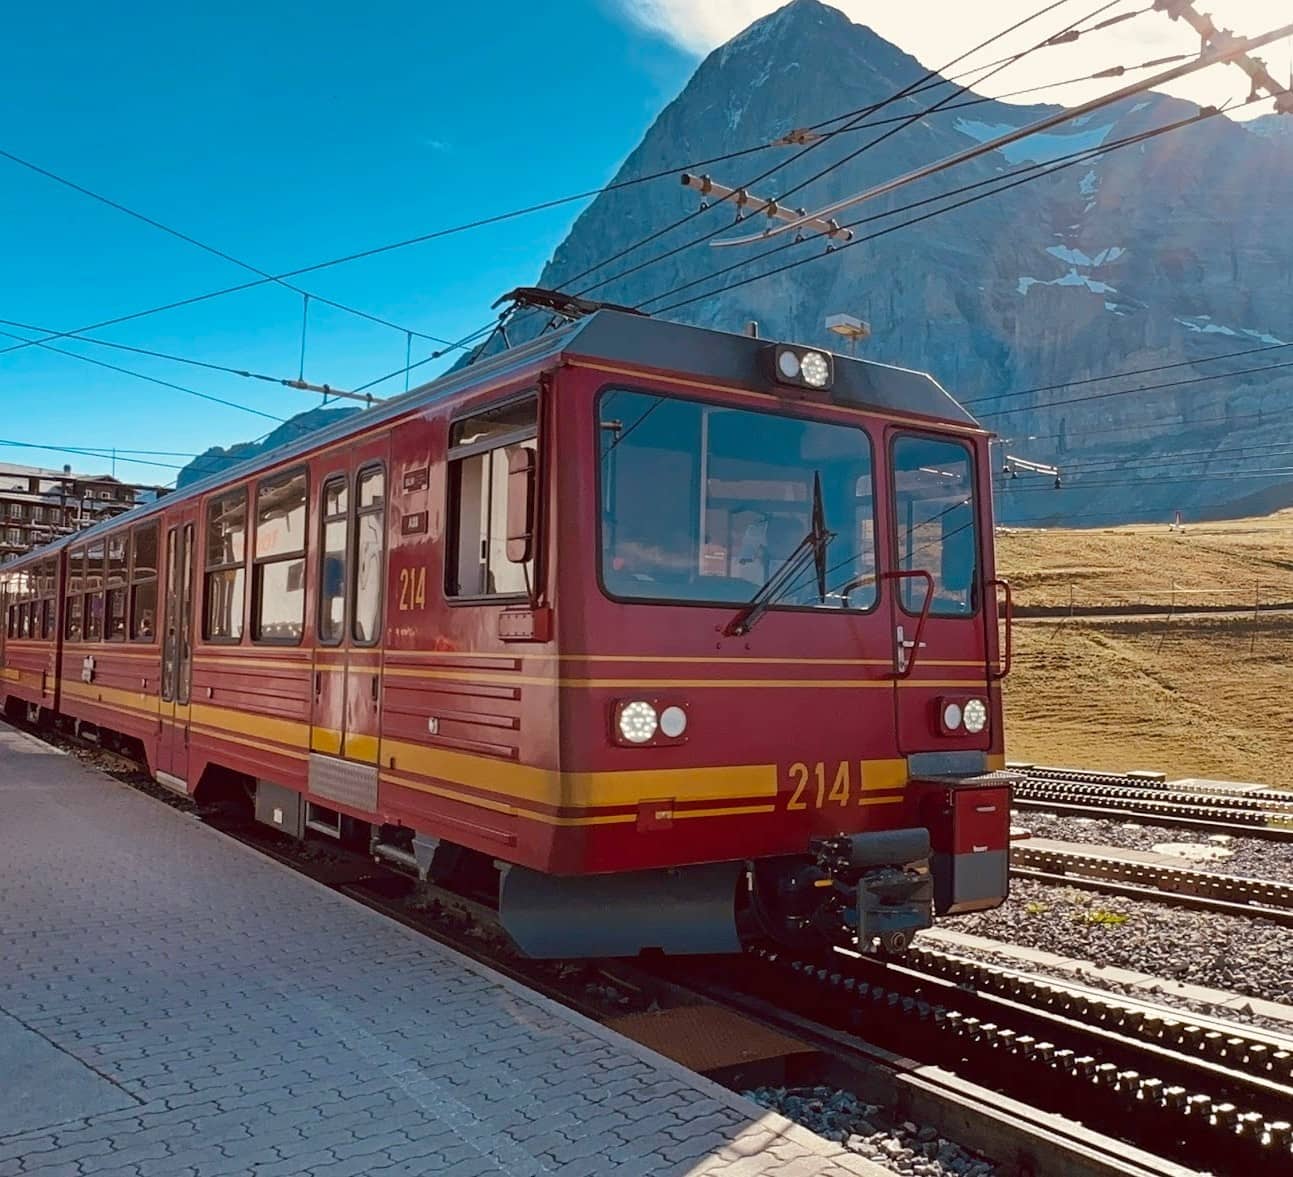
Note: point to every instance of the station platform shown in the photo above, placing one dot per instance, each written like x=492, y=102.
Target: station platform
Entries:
x=174, y=1004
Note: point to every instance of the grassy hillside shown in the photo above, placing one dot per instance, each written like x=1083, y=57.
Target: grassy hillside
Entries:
x=1209, y=563
x=1205, y=696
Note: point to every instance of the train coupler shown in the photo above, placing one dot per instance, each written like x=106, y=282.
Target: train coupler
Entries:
x=888, y=875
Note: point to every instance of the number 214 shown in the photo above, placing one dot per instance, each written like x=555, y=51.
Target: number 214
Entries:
x=838, y=792
x=413, y=589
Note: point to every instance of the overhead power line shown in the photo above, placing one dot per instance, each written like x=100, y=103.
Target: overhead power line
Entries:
x=1225, y=50
x=1077, y=400
x=1025, y=175
x=150, y=379
x=109, y=455
x=175, y=359
x=1225, y=355
x=202, y=245
x=853, y=118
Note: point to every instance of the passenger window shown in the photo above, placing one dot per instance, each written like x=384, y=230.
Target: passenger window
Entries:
x=478, y=463
x=94, y=577
x=278, y=588
x=74, y=601
x=226, y=553
x=935, y=523
x=143, y=584
x=370, y=534
x=332, y=560
x=118, y=571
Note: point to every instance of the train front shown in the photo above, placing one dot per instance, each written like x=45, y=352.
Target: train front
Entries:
x=780, y=642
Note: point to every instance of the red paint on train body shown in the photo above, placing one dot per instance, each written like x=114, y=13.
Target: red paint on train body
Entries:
x=348, y=619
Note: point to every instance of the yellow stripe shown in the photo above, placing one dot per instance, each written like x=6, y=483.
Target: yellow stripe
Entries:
x=230, y=661
x=597, y=819
x=508, y=678
x=361, y=747
x=325, y=740
x=280, y=731
x=259, y=745
x=113, y=697
x=716, y=660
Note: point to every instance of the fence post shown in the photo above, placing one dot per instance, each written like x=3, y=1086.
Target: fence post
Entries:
x=1257, y=604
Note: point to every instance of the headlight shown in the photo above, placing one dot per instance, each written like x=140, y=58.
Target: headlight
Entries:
x=801, y=366
x=952, y=716
x=638, y=722
x=975, y=716
x=814, y=369
x=673, y=722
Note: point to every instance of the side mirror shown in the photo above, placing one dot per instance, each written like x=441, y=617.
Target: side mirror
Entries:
x=520, y=504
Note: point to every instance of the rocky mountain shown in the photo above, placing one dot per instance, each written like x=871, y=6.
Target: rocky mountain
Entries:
x=1164, y=253
x=218, y=458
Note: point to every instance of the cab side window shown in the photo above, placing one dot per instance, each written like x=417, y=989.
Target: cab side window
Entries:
x=479, y=448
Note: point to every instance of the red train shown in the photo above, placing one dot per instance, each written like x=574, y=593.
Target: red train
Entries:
x=680, y=636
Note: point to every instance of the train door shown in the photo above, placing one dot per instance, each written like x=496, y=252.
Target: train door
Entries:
x=936, y=602
x=348, y=657
x=177, y=651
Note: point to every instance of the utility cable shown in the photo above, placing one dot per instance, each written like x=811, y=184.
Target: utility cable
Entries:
x=151, y=379
x=202, y=245
x=1050, y=169
x=1077, y=400
x=1225, y=355
x=904, y=92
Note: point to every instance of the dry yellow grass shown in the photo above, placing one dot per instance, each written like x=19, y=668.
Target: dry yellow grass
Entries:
x=1194, y=697
x=1208, y=563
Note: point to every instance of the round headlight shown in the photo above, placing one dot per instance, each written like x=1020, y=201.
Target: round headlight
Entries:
x=673, y=722
x=952, y=716
x=788, y=365
x=638, y=722
x=976, y=716
x=814, y=369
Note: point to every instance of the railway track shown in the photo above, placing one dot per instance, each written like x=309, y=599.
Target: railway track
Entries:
x=1254, y=813
x=1176, y=886
x=1073, y=1080
x=1201, y=1093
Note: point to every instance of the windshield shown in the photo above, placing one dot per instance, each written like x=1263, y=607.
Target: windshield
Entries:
x=705, y=503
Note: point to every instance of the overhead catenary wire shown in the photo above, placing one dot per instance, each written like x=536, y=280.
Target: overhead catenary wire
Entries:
x=1224, y=52
x=405, y=243
x=905, y=92
x=1036, y=172
x=202, y=245
x=150, y=379
x=914, y=118
x=1017, y=177
x=1225, y=355
x=1077, y=400
x=115, y=456
x=160, y=355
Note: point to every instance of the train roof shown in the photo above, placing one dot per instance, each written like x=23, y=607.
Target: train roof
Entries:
x=608, y=335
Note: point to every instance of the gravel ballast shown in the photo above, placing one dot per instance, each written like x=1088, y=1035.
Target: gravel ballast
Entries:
x=866, y=1129
x=1257, y=858
x=1234, y=953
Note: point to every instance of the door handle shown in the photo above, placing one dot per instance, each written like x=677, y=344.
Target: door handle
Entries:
x=376, y=680
x=318, y=683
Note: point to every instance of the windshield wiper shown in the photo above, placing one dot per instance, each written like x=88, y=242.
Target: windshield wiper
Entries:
x=813, y=544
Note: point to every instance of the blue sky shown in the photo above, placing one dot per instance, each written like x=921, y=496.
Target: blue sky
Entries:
x=286, y=136
x=285, y=140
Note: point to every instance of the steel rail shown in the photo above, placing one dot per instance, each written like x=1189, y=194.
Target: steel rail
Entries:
x=1178, y=1081
x=1132, y=879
